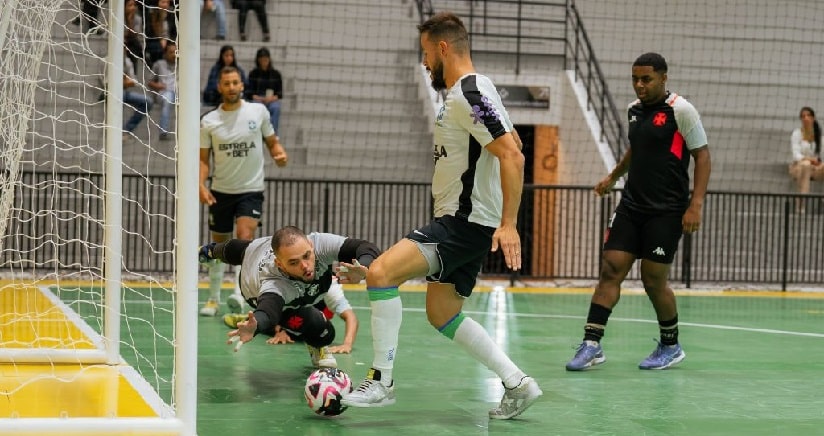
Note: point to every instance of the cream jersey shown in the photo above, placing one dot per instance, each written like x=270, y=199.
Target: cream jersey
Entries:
x=259, y=274
x=236, y=140
x=467, y=178
x=802, y=149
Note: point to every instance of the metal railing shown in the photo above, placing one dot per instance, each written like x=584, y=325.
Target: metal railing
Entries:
x=567, y=29
x=580, y=57
x=747, y=237
x=511, y=22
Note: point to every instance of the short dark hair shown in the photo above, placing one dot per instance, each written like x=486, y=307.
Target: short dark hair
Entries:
x=263, y=51
x=286, y=236
x=448, y=27
x=227, y=70
x=654, y=60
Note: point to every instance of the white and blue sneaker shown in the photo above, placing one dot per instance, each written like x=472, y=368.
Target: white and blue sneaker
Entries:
x=663, y=357
x=589, y=354
x=517, y=399
x=371, y=392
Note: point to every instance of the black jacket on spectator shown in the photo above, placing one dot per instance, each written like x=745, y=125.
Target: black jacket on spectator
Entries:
x=261, y=80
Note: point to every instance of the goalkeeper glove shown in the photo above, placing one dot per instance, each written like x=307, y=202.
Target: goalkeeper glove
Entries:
x=205, y=254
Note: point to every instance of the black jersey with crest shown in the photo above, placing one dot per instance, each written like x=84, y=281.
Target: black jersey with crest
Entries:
x=661, y=136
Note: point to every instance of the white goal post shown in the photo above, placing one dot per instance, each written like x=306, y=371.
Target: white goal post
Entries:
x=70, y=292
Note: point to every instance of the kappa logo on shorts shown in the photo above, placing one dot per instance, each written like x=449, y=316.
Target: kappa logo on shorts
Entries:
x=659, y=251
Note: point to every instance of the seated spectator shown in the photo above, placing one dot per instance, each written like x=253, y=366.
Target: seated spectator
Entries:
x=218, y=8
x=259, y=6
x=133, y=95
x=160, y=29
x=89, y=12
x=806, y=153
x=165, y=85
x=227, y=58
x=133, y=33
x=265, y=86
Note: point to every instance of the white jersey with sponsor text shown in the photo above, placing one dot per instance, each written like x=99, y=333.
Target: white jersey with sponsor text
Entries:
x=236, y=140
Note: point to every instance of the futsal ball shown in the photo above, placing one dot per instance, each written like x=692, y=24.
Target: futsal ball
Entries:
x=324, y=389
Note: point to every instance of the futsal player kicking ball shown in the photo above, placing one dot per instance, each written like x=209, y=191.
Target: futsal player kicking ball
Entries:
x=655, y=209
x=477, y=191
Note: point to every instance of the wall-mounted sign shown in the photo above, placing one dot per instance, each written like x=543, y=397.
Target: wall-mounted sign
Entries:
x=524, y=96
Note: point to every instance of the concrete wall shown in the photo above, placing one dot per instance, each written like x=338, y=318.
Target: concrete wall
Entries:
x=747, y=65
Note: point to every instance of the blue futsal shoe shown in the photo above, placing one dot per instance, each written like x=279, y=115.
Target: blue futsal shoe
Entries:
x=589, y=354
x=663, y=357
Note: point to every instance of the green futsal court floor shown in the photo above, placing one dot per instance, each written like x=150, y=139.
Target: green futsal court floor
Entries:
x=753, y=367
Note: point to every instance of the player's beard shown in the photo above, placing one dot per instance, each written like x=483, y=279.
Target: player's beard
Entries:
x=231, y=99
x=438, y=82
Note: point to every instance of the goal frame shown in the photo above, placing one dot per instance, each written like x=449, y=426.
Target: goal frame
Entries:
x=179, y=417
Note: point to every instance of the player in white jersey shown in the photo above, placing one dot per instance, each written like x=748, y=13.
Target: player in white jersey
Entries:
x=477, y=190
x=285, y=277
x=234, y=134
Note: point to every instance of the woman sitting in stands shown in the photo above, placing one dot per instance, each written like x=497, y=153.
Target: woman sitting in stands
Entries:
x=211, y=96
x=266, y=86
x=806, y=149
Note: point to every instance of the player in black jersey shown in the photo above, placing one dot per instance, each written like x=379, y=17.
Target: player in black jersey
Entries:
x=655, y=209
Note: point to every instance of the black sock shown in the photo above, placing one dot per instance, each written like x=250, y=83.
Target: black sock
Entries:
x=596, y=322
x=669, y=331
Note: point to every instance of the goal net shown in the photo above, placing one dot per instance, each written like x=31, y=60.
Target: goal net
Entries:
x=89, y=331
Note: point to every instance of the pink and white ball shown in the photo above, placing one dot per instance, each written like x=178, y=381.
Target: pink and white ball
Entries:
x=325, y=388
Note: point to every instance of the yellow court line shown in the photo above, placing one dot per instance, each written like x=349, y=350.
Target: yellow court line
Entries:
x=33, y=322
x=813, y=295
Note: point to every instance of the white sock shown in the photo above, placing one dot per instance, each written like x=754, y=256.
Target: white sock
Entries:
x=216, y=279
x=237, y=283
x=386, y=324
x=474, y=339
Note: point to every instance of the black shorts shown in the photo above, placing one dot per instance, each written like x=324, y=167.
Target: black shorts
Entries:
x=462, y=247
x=647, y=236
x=228, y=207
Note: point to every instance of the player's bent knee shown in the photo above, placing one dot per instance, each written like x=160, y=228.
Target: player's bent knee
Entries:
x=322, y=336
x=315, y=329
x=377, y=276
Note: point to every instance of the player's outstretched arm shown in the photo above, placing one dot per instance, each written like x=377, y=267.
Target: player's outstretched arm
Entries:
x=244, y=333
x=351, y=321
x=280, y=337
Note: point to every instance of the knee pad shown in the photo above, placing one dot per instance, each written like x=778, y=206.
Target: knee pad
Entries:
x=310, y=325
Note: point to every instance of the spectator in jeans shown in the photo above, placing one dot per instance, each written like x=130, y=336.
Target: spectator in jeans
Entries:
x=133, y=95
x=265, y=86
x=211, y=96
x=259, y=6
x=219, y=9
x=165, y=85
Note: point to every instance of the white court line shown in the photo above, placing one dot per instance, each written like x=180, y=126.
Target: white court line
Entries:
x=646, y=321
